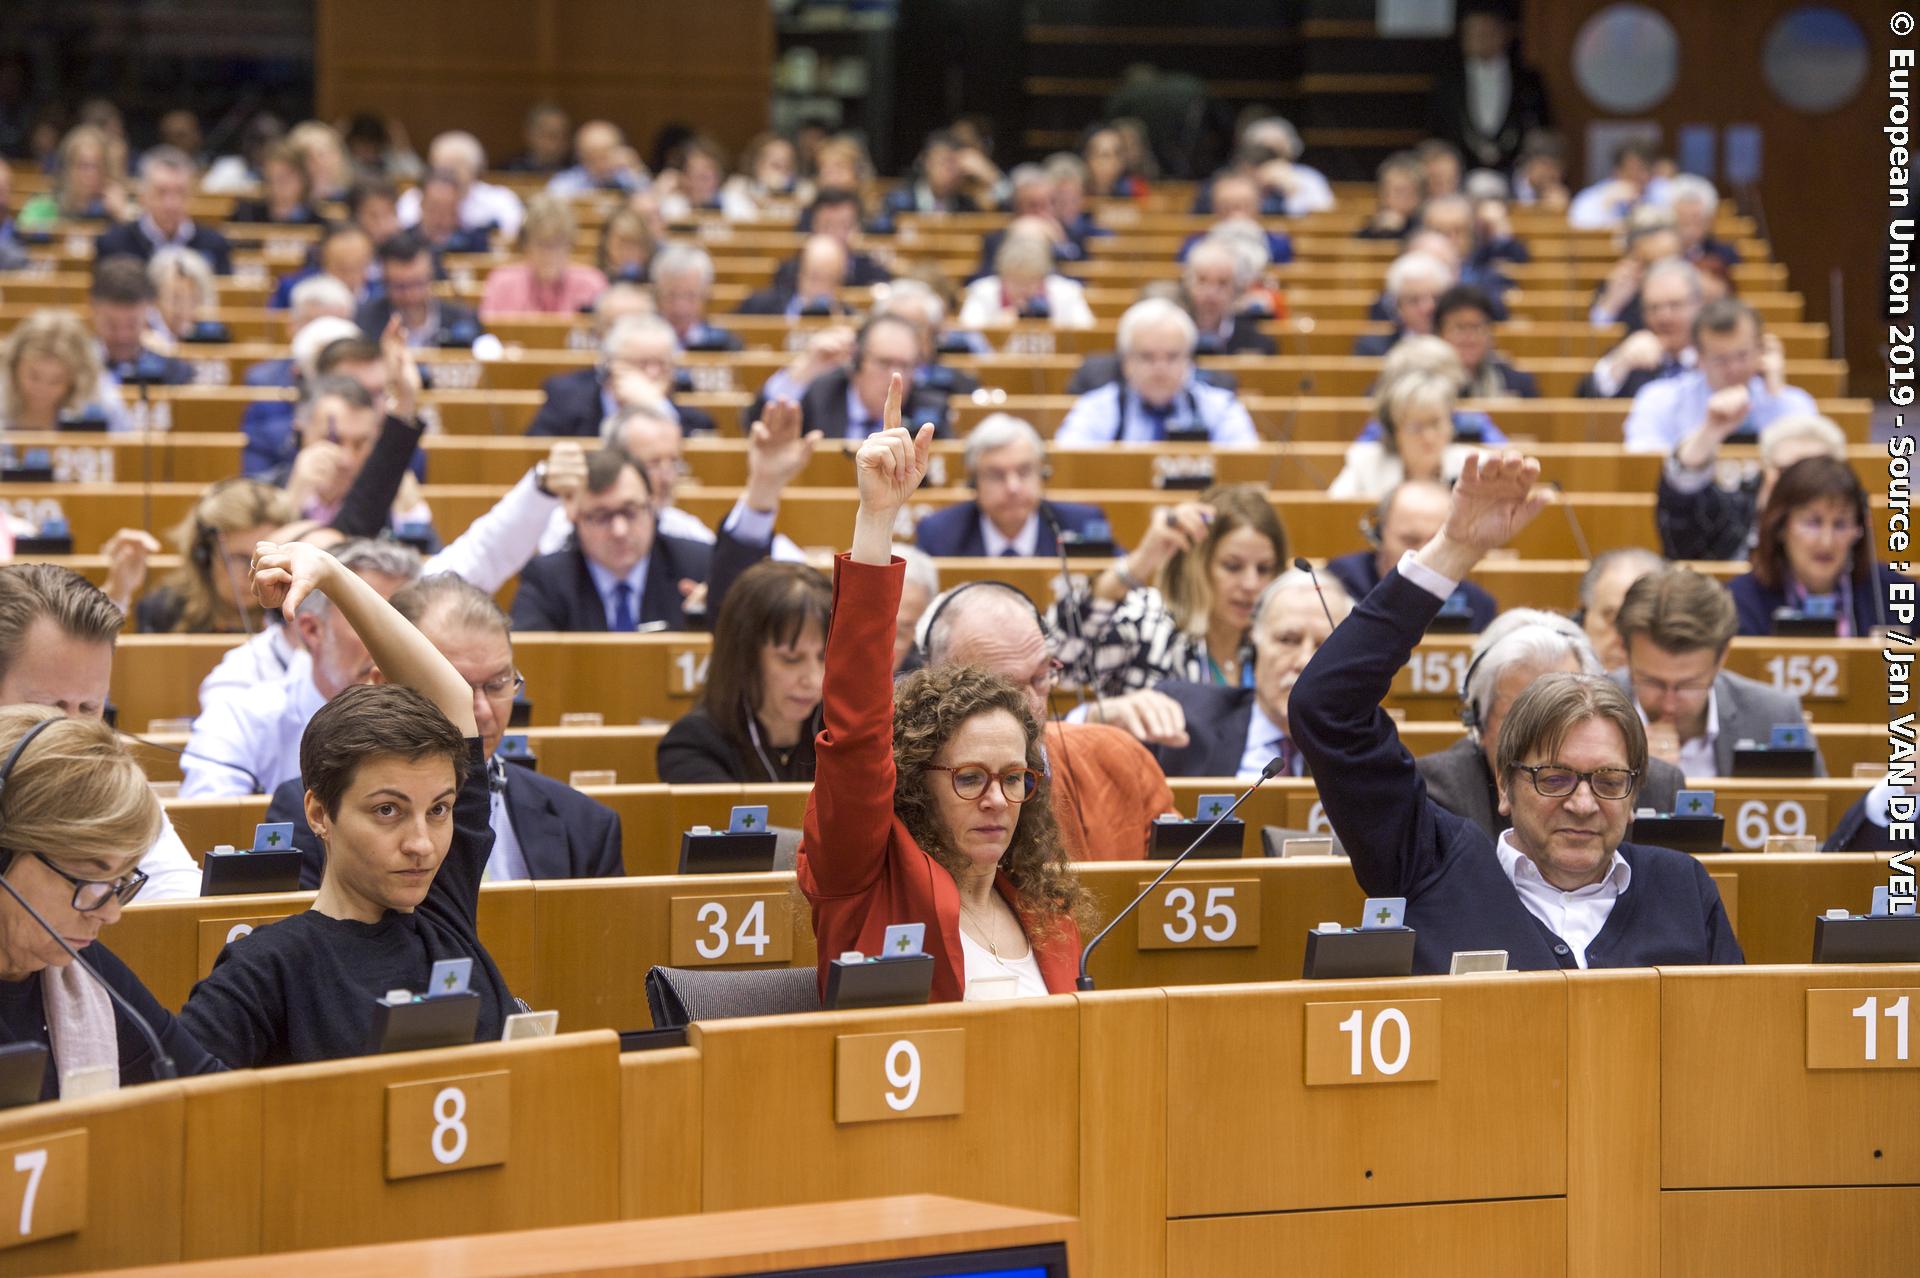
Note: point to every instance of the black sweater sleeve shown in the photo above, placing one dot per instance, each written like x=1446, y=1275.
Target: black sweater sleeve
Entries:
x=136, y=1057
x=1373, y=794
x=457, y=886
x=368, y=506
x=694, y=752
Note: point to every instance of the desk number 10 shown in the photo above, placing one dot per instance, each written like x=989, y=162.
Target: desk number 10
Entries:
x=1896, y=1011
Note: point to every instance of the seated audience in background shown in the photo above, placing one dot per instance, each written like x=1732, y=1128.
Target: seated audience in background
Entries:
x=1107, y=789
x=1067, y=177
x=917, y=593
x=1158, y=391
x=1024, y=285
x=1557, y=890
x=693, y=184
x=938, y=183
x=1179, y=604
x=1694, y=203
x=378, y=147
x=324, y=154
x=620, y=573
x=845, y=400
x=1437, y=357
x=1812, y=543
x=1650, y=239
x=86, y=184
x=638, y=364
x=682, y=276
x=1415, y=282
x=338, y=424
x=1737, y=388
x=1670, y=299
x=481, y=206
x=1701, y=515
x=185, y=295
x=760, y=710
x=1006, y=466
x=1540, y=174
x=406, y=269
x=287, y=194
x=1108, y=176
x=52, y=373
x=1032, y=201
x=835, y=212
x=268, y=422
x=767, y=182
x=841, y=163
x=602, y=161
x=627, y=246
x=56, y=649
x=1676, y=626
x=79, y=816
x=1406, y=519
x=546, y=281
x=542, y=828
x=1235, y=731
x=1480, y=234
x=344, y=253
x=1521, y=647
x=439, y=225
x=1417, y=439
x=546, y=137
x=120, y=301
x=930, y=801
x=1236, y=203
x=251, y=744
x=815, y=289
x=397, y=794
x=1217, y=275
x=1487, y=99
x=1398, y=190
x=326, y=345
x=1275, y=147
x=1606, y=204
x=166, y=180
x=1463, y=318
x=211, y=591
x=1440, y=167
x=1602, y=588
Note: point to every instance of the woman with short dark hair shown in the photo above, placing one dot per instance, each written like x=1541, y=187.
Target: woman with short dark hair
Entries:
x=761, y=705
x=397, y=795
x=1812, y=544
x=930, y=802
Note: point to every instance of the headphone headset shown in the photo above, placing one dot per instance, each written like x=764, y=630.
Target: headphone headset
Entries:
x=1469, y=712
x=923, y=631
x=206, y=538
x=13, y=757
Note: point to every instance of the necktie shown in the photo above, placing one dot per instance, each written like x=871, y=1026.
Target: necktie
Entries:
x=623, y=607
x=1011, y=552
x=1157, y=418
x=1284, y=749
x=497, y=775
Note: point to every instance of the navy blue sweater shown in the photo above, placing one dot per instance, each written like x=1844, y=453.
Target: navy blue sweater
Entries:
x=1404, y=844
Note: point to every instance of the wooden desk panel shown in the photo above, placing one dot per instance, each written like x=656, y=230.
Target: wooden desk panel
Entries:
x=659, y=1133
x=1784, y=1233
x=1613, y=1127
x=770, y=1136
x=1446, y=1240
x=1740, y=1109
x=1250, y=1136
x=1781, y=894
x=1123, y=1131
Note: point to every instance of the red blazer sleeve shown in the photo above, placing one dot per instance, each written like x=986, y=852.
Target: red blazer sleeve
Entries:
x=850, y=812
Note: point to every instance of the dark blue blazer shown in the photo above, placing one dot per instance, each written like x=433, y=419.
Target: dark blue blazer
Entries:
x=1754, y=603
x=1217, y=719
x=128, y=238
x=1359, y=574
x=563, y=834
x=955, y=531
x=556, y=591
x=573, y=407
x=1402, y=843
x=268, y=423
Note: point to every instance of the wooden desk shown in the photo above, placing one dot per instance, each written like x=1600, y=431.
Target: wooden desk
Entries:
x=697, y=1246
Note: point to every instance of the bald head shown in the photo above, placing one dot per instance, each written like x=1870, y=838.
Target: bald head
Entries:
x=823, y=266
x=995, y=629
x=1408, y=518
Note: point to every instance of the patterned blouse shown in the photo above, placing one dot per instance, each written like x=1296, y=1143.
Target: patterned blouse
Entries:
x=1126, y=646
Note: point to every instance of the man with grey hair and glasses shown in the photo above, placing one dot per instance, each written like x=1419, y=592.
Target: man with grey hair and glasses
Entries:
x=1006, y=465
x=1557, y=890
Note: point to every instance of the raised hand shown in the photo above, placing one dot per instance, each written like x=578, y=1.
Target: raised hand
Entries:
x=126, y=553
x=1496, y=496
x=403, y=375
x=284, y=574
x=1727, y=408
x=889, y=466
x=566, y=469
x=777, y=451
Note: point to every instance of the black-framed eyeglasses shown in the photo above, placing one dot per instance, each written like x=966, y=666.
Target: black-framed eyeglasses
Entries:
x=93, y=894
x=1554, y=782
x=970, y=781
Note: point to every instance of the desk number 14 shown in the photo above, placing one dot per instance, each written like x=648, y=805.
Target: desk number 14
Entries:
x=1870, y=1012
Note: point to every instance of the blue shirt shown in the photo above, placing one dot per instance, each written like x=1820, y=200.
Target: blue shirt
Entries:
x=1114, y=413
x=605, y=582
x=1669, y=409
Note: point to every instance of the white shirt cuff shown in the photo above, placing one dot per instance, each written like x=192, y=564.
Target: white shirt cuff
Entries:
x=1441, y=587
x=1685, y=479
x=752, y=526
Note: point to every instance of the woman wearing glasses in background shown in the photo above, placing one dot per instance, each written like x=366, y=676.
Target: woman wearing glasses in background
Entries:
x=76, y=817
x=1812, y=545
x=929, y=803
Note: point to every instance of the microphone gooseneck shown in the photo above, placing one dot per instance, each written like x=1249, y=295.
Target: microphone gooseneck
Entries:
x=1084, y=981
x=248, y=773
x=1300, y=562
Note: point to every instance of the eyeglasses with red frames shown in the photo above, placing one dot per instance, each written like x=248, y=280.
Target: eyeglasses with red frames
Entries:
x=970, y=781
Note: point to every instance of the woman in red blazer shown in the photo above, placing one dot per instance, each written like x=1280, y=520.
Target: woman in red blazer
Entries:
x=929, y=801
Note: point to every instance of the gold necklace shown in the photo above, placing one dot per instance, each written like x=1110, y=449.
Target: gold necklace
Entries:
x=992, y=948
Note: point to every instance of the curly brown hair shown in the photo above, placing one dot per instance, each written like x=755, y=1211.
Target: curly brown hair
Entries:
x=928, y=708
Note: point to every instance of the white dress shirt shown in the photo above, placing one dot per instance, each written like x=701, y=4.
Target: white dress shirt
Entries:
x=497, y=545
x=1370, y=472
x=988, y=977
x=1697, y=754
x=172, y=874
x=1025, y=543
x=984, y=304
x=1091, y=421
x=675, y=522
x=1575, y=917
x=267, y=657
x=1669, y=409
x=257, y=734
x=1263, y=742
x=483, y=205
x=1489, y=93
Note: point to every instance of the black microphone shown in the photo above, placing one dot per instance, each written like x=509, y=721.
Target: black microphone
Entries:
x=1085, y=982
x=1573, y=522
x=1300, y=562
x=163, y=1066
x=194, y=754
